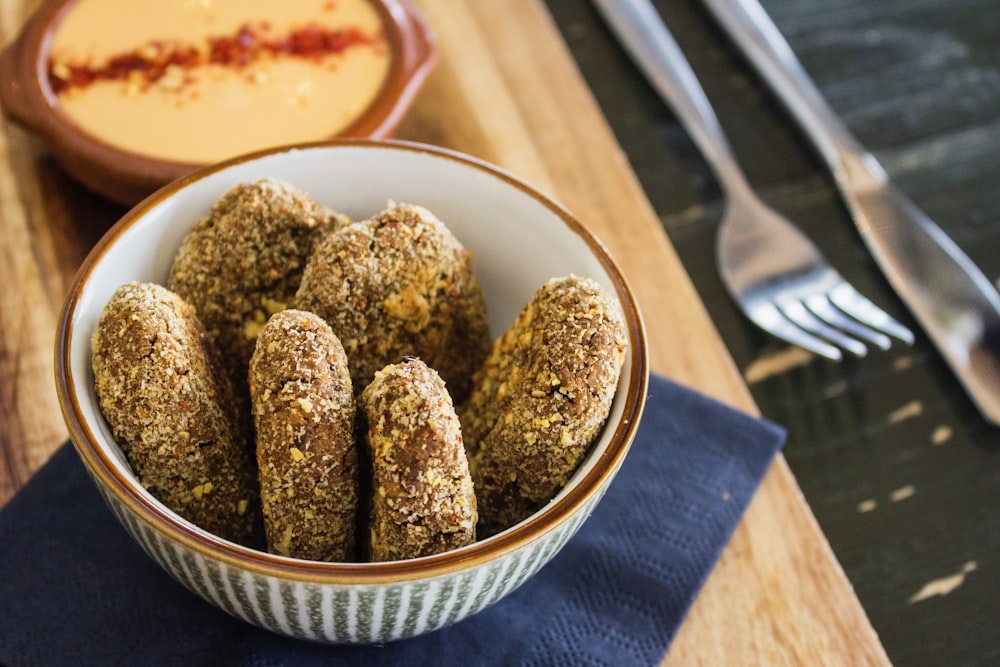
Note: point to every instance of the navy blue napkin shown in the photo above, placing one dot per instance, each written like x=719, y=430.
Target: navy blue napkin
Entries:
x=76, y=590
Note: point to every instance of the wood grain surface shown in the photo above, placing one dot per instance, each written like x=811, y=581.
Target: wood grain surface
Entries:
x=776, y=597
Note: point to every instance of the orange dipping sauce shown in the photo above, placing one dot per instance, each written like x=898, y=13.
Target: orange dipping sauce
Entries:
x=199, y=81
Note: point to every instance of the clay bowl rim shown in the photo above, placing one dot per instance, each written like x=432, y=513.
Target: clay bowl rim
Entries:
x=536, y=527
x=30, y=100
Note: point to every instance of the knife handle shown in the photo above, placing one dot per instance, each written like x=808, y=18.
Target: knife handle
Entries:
x=754, y=32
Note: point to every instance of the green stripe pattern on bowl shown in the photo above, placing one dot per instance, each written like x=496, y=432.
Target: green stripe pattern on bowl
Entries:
x=345, y=614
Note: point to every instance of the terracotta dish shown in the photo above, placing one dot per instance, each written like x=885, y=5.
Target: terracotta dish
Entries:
x=186, y=56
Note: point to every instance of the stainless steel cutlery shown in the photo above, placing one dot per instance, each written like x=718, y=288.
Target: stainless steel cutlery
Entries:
x=776, y=274
x=954, y=302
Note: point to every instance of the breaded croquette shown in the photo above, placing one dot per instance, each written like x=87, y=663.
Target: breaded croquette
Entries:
x=400, y=284
x=243, y=261
x=172, y=410
x=303, y=408
x=541, y=398
x=422, y=500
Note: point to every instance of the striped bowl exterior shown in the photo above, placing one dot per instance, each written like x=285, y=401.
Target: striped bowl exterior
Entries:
x=347, y=614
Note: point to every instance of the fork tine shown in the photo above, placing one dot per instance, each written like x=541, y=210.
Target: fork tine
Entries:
x=852, y=302
x=821, y=306
x=802, y=316
x=769, y=318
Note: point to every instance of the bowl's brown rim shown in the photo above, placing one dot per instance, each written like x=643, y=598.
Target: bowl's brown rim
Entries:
x=532, y=529
x=30, y=100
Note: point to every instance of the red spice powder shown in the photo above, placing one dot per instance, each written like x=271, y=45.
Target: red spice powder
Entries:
x=249, y=43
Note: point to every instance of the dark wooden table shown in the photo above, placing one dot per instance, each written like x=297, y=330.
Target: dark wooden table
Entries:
x=901, y=471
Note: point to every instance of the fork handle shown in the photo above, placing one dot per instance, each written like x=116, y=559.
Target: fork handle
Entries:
x=655, y=51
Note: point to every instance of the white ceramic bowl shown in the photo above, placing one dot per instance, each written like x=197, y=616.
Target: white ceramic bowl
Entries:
x=520, y=239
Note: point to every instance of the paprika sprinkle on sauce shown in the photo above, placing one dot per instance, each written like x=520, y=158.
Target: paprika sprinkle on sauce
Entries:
x=157, y=59
x=198, y=81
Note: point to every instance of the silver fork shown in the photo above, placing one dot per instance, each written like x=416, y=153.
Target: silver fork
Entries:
x=776, y=274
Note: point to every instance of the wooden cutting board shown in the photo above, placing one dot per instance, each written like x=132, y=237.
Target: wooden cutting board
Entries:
x=505, y=90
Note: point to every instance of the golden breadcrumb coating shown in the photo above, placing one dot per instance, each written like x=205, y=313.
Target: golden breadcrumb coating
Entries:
x=541, y=398
x=172, y=410
x=243, y=261
x=422, y=501
x=303, y=408
x=400, y=284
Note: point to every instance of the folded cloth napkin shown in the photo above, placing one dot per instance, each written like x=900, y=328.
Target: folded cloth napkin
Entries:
x=76, y=589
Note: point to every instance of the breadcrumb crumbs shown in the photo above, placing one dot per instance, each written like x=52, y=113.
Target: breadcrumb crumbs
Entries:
x=424, y=502
x=172, y=410
x=400, y=284
x=541, y=398
x=242, y=262
x=308, y=459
